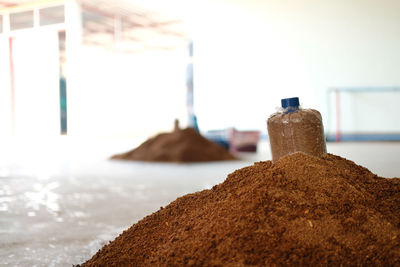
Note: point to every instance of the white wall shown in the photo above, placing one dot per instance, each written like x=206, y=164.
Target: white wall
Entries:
x=36, y=67
x=117, y=94
x=249, y=54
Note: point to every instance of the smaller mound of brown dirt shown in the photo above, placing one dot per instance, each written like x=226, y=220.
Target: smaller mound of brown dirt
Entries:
x=181, y=145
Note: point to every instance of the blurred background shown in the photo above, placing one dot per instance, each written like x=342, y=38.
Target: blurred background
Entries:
x=81, y=80
x=101, y=69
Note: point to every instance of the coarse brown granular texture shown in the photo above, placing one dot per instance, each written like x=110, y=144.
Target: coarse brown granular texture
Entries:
x=299, y=131
x=181, y=145
x=299, y=211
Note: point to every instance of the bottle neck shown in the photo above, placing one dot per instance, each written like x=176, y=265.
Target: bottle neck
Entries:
x=291, y=109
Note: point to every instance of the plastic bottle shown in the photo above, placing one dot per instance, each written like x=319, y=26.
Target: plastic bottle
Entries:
x=295, y=130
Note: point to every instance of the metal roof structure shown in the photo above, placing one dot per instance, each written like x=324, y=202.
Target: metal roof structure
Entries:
x=120, y=24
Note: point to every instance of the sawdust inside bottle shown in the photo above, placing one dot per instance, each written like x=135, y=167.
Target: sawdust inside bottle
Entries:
x=294, y=129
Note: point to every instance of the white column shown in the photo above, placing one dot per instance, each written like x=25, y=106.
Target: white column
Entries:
x=5, y=90
x=36, y=19
x=117, y=28
x=74, y=32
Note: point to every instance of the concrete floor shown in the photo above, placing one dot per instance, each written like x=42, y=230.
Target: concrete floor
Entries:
x=62, y=199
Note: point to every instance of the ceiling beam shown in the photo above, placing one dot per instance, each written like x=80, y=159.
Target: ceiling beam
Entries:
x=158, y=26
x=6, y=4
x=29, y=5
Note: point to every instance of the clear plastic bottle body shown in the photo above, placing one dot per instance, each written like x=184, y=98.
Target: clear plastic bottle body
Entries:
x=296, y=131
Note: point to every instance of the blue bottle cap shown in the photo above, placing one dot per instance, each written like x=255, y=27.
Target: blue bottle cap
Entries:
x=290, y=104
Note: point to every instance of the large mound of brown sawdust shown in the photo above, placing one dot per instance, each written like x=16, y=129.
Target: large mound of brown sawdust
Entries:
x=181, y=145
x=300, y=211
